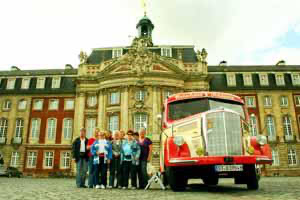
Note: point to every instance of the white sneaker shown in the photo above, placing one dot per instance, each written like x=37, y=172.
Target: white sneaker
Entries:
x=102, y=186
x=109, y=187
x=97, y=186
x=133, y=188
x=124, y=188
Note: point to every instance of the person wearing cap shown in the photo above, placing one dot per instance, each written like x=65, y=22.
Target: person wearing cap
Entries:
x=130, y=154
x=102, y=155
x=90, y=164
x=80, y=155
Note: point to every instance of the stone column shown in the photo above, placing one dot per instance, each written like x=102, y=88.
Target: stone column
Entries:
x=101, y=110
x=124, y=109
x=79, y=113
x=155, y=112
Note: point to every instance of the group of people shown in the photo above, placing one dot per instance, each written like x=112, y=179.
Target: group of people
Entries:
x=124, y=155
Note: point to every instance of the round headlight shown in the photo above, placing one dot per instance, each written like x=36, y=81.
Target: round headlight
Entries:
x=261, y=139
x=178, y=140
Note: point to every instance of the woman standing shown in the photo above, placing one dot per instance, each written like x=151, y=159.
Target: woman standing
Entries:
x=115, y=165
x=130, y=154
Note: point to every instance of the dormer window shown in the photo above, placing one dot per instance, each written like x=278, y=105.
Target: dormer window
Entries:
x=117, y=53
x=279, y=79
x=166, y=52
x=296, y=79
x=40, y=84
x=231, y=79
x=25, y=83
x=263, y=79
x=56, y=82
x=11, y=84
x=247, y=79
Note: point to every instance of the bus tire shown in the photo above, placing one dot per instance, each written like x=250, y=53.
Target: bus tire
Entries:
x=176, y=180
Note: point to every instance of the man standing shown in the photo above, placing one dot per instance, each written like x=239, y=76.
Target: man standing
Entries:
x=146, y=152
x=80, y=155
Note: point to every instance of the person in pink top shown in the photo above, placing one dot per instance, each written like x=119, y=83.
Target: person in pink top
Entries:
x=90, y=164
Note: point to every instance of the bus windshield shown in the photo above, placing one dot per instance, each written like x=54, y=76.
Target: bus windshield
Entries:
x=181, y=109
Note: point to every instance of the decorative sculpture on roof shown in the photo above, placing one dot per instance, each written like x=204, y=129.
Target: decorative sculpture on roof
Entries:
x=83, y=57
x=201, y=56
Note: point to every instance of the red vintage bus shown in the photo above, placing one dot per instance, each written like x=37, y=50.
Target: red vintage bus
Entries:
x=206, y=135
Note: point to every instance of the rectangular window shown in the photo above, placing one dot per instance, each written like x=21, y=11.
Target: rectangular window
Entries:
x=19, y=128
x=140, y=95
x=53, y=104
x=247, y=79
x=3, y=128
x=263, y=79
x=91, y=125
x=231, y=81
x=280, y=79
x=292, y=157
x=68, y=128
x=114, y=98
x=267, y=101
x=6, y=105
x=284, y=101
x=22, y=104
x=275, y=158
x=113, y=123
x=117, y=53
x=287, y=128
x=38, y=104
x=25, y=83
x=140, y=121
x=296, y=79
x=56, y=82
x=31, y=159
x=253, y=125
x=48, y=160
x=250, y=101
x=35, y=128
x=51, y=129
x=297, y=101
x=65, y=160
x=11, y=83
x=40, y=84
x=69, y=104
x=166, y=52
x=15, y=158
x=92, y=101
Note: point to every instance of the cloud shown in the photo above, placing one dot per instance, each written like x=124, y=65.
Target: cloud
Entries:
x=50, y=33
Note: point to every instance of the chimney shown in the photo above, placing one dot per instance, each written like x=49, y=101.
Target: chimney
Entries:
x=14, y=68
x=223, y=63
x=68, y=66
x=280, y=62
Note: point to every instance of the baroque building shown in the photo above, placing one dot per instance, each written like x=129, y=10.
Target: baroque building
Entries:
x=124, y=88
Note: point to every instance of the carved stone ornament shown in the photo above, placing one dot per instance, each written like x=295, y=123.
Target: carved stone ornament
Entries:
x=83, y=57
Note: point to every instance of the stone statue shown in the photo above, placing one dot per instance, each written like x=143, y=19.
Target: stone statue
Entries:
x=83, y=57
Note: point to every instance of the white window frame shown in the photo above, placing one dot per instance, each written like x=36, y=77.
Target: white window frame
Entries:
x=287, y=126
x=117, y=52
x=292, y=157
x=284, y=101
x=231, y=80
x=270, y=126
x=92, y=101
x=91, y=124
x=67, y=128
x=275, y=158
x=139, y=122
x=114, y=98
x=247, y=79
x=166, y=51
x=279, y=79
x=65, y=161
x=48, y=159
x=35, y=104
x=113, y=123
x=140, y=95
x=253, y=125
x=15, y=159
x=297, y=100
x=35, y=128
x=11, y=83
x=19, y=128
x=250, y=101
x=7, y=104
x=51, y=129
x=67, y=106
x=55, y=82
x=31, y=159
x=263, y=79
x=296, y=79
x=3, y=127
x=40, y=83
x=25, y=83
x=53, y=104
x=267, y=101
x=22, y=104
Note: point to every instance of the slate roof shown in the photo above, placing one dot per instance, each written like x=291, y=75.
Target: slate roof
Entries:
x=42, y=72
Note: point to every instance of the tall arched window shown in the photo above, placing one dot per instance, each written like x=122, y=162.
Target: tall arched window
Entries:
x=270, y=126
x=68, y=128
x=3, y=128
x=19, y=128
x=51, y=128
x=35, y=128
x=253, y=125
x=287, y=127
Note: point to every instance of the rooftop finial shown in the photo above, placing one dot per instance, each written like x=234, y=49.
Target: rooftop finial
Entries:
x=144, y=6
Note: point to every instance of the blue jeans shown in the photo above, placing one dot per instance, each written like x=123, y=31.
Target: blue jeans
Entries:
x=91, y=171
x=101, y=169
x=81, y=169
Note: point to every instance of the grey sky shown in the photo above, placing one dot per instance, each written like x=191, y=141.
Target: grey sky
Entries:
x=38, y=34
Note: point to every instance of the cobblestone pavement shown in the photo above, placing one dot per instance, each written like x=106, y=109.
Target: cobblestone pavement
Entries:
x=32, y=188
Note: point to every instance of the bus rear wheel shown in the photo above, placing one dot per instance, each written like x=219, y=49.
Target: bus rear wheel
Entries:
x=176, y=180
